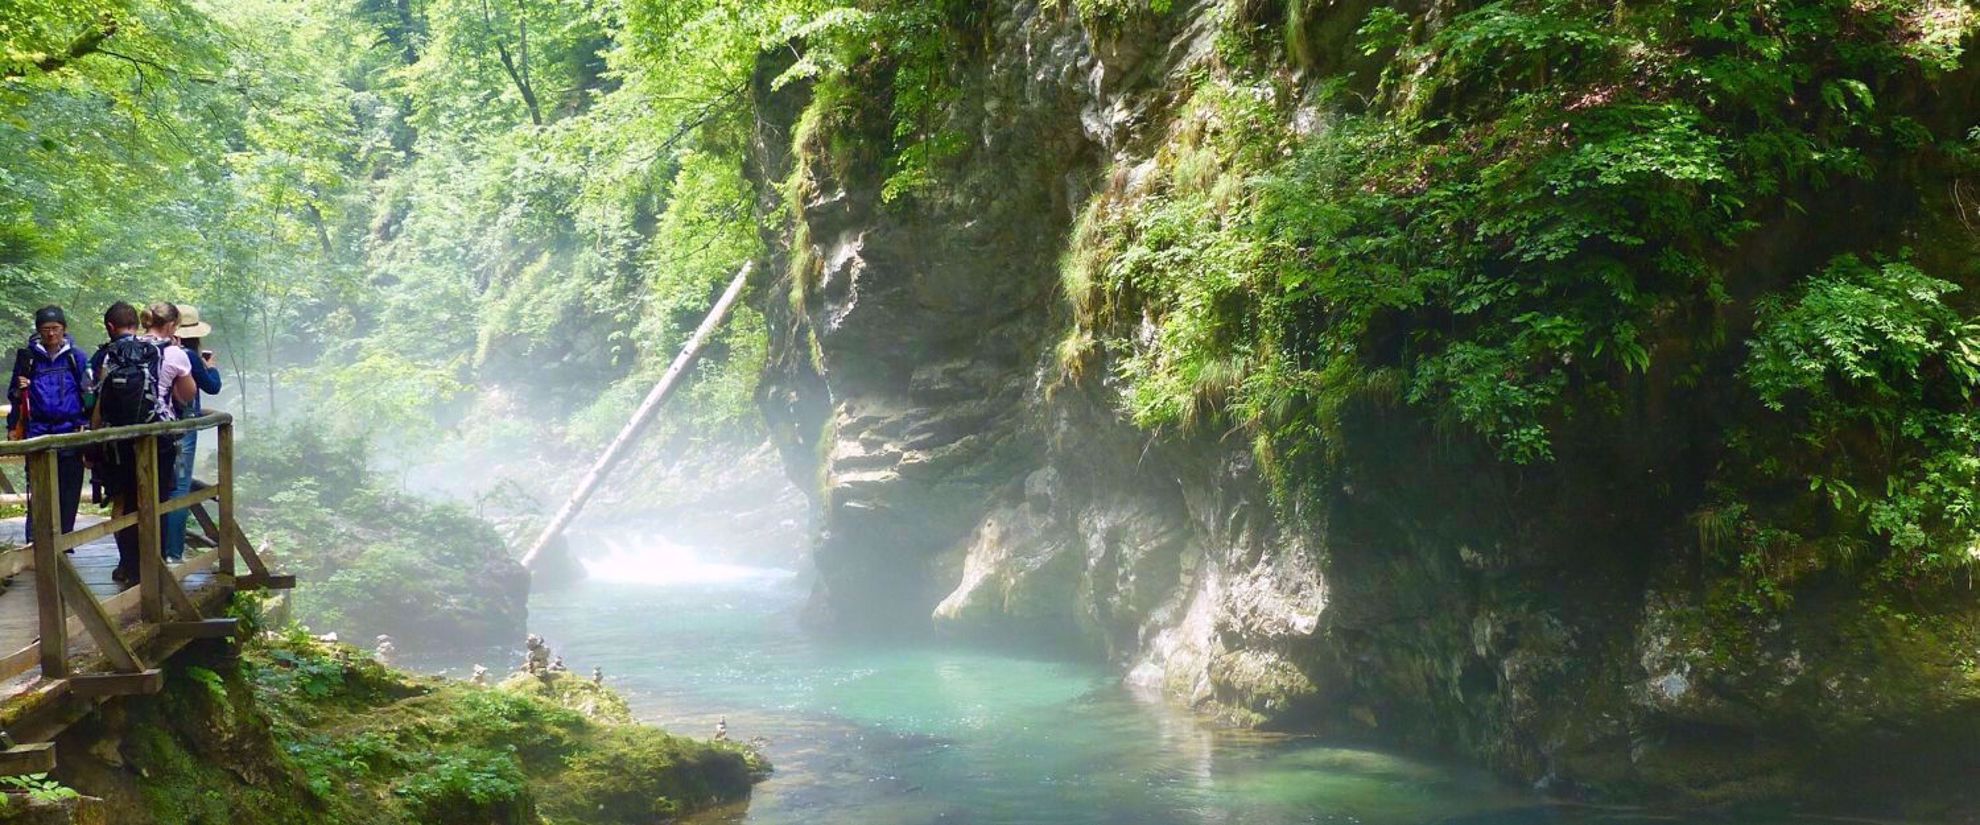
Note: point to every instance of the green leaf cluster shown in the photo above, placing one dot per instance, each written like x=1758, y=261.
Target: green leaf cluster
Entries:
x=1530, y=213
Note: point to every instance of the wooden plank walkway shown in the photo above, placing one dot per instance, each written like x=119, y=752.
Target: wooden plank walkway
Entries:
x=70, y=638
x=19, y=615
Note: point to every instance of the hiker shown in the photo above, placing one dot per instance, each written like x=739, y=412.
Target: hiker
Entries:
x=139, y=380
x=207, y=378
x=50, y=391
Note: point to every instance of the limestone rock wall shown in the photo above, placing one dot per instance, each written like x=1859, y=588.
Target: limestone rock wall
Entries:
x=1428, y=596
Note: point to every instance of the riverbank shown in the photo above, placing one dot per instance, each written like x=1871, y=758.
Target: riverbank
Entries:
x=294, y=731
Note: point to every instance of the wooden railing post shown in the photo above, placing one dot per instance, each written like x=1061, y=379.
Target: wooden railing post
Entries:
x=45, y=503
x=226, y=484
x=151, y=561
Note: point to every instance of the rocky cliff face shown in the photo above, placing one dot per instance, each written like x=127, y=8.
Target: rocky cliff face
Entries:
x=1423, y=592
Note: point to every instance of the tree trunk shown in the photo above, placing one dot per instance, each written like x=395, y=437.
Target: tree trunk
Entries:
x=408, y=30
x=518, y=75
x=641, y=417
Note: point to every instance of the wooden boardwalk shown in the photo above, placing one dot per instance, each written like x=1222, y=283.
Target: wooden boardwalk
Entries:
x=70, y=638
x=19, y=613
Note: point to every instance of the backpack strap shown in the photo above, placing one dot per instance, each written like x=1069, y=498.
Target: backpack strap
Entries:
x=21, y=362
x=85, y=387
x=154, y=394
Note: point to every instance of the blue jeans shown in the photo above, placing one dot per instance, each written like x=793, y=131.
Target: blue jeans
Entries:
x=174, y=544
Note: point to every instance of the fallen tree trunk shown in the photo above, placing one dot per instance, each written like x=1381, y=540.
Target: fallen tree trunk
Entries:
x=640, y=418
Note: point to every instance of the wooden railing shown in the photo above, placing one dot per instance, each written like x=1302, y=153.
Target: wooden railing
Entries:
x=160, y=595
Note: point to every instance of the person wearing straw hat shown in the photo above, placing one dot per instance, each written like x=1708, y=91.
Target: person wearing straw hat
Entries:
x=192, y=331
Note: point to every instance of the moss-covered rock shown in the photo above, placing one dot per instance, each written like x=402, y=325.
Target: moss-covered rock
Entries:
x=24, y=808
x=299, y=732
x=595, y=701
x=378, y=560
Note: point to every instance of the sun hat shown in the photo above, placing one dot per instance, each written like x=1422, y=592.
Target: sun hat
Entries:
x=189, y=324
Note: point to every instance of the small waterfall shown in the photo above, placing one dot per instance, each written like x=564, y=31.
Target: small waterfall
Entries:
x=643, y=558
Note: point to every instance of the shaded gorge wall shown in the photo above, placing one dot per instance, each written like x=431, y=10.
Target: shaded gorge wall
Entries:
x=1438, y=374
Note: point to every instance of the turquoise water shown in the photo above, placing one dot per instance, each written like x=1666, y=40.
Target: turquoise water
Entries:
x=893, y=735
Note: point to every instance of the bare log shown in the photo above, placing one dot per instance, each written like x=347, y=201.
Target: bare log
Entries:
x=640, y=418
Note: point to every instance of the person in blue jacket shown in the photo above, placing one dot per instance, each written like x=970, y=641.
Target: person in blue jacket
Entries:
x=51, y=380
x=204, y=374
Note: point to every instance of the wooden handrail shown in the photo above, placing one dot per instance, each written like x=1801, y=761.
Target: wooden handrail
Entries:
x=169, y=609
x=24, y=660
x=61, y=590
x=112, y=435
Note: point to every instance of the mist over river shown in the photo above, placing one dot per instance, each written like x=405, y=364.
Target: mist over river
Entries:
x=891, y=734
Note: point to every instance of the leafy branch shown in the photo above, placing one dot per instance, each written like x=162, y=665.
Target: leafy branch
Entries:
x=84, y=45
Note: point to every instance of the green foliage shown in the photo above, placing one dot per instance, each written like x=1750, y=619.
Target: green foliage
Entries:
x=427, y=751
x=211, y=680
x=467, y=784
x=1865, y=332
x=914, y=46
x=164, y=163
x=1195, y=361
x=377, y=559
x=1874, y=371
x=393, y=207
x=294, y=664
x=1102, y=14
x=1537, y=210
x=39, y=787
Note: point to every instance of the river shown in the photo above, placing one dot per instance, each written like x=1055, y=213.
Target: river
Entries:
x=869, y=734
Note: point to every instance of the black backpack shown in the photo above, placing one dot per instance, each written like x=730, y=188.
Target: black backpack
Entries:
x=128, y=392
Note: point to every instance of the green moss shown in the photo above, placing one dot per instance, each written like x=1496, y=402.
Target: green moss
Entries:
x=626, y=775
x=202, y=756
x=592, y=701
x=302, y=733
x=452, y=746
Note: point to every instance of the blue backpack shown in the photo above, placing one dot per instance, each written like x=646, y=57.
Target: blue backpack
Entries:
x=55, y=390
